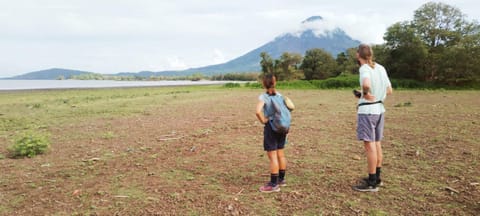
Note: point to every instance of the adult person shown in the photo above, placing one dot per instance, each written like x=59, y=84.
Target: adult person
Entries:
x=375, y=86
x=273, y=142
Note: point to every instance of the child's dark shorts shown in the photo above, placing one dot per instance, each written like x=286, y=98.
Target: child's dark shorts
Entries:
x=272, y=140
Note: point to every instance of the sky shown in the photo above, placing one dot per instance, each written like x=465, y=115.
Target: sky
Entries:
x=111, y=36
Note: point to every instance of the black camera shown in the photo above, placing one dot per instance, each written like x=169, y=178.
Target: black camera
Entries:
x=357, y=93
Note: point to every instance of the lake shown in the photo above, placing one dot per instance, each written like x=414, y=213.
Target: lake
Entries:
x=74, y=84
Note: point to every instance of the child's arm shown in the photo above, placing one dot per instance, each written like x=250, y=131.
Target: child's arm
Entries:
x=259, y=112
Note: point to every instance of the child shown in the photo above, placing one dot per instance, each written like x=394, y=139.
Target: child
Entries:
x=273, y=142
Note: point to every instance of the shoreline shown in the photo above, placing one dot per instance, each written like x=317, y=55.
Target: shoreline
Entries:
x=109, y=84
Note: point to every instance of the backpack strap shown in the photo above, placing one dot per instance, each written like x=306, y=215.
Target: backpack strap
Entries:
x=369, y=103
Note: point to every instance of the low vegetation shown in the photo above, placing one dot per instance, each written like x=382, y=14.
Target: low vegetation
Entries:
x=352, y=82
x=29, y=144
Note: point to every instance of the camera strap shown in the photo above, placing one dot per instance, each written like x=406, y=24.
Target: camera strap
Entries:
x=370, y=103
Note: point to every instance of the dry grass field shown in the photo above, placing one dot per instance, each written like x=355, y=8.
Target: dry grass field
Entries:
x=198, y=151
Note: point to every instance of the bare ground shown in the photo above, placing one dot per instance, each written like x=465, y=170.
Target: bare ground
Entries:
x=200, y=153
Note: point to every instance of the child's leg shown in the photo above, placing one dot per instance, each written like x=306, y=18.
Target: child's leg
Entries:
x=282, y=165
x=282, y=161
x=273, y=157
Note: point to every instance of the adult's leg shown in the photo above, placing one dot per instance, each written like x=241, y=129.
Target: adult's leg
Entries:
x=378, y=137
x=371, y=150
x=378, y=146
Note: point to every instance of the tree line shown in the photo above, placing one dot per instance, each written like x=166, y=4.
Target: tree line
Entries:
x=439, y=45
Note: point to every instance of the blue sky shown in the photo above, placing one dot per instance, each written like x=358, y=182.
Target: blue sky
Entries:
x=109, y=36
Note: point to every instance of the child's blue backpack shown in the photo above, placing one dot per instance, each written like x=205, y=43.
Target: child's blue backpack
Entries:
x=281, y=117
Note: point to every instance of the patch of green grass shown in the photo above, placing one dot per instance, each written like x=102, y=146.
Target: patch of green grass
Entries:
x=25, y=108
x=34, y=106
x=4, y=210
x=108, y=135
x=131, y=192
x=405, y=104
x=17, y=200
x=376, y=212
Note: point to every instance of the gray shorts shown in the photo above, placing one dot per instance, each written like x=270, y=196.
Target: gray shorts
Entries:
x=370, y=127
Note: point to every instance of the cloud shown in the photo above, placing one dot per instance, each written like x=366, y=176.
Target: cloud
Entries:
x=176, y=63
x=218, y=56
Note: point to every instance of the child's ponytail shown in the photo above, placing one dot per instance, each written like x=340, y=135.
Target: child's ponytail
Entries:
x=269, y=82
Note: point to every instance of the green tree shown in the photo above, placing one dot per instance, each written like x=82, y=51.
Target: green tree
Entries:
x=284, y=68
x=347, y=62
x=405, y=52
x=438, y=45
x=439, y=24
x=341, y=63
x=318, y=64
x=440, y=27
x=380, y=53
x=460, y=64
x=287, y=67
x=266, y=63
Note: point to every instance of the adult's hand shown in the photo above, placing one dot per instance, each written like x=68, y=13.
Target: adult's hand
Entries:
x=369, y=97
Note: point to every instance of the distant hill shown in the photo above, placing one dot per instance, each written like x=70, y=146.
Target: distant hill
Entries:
x=311, y=35
x=49, y=74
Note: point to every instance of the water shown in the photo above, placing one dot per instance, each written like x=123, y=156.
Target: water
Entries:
x=69, y=84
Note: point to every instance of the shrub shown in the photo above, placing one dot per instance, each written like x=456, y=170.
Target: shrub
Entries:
x=295, y=84
x=350, y=81
x=29, y=144
x=409, y=84
x=253, y=85
x=231, y=85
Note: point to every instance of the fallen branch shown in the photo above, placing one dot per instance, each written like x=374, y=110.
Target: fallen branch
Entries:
x=452, y=190
x=168, y=135
x=356, y=211
x=240, y=192
x=121, y=196
x=61, y=203
x=91, y=159
x=166, y=139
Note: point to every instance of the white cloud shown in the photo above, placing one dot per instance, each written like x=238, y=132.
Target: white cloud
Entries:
x=218, y=56
x=176, y=63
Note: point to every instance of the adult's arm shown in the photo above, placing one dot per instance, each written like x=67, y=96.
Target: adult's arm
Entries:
x=366, y=85
x=389, y=90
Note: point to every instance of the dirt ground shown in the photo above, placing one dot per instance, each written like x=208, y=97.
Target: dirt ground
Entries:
x=200, y=153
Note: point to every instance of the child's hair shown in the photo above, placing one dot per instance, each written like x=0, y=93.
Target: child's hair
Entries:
x=269, y=82
x=366, y=52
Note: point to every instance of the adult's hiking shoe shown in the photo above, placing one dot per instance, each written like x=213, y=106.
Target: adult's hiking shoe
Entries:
x=269, y=187
x=365, y=188
x=379, y=182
